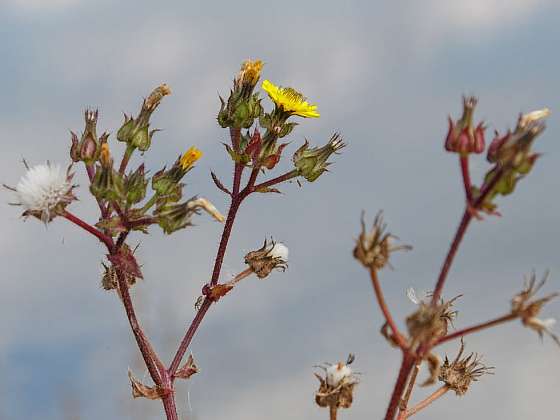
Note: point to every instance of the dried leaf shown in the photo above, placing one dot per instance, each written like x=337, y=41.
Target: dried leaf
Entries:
x=219, y=184
x=141, y=390
x=189, y=369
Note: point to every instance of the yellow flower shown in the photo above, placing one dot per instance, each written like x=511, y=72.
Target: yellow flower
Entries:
x=189, y=158
x=250, y=72
x=290, y=100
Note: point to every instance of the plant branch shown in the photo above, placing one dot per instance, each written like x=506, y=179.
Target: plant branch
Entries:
x=426, y=402
x=287, y=176
x=106, y=239
x=464, y=160
x=411, y=382
x=404, y=372
x=333, y=410
x=125, y=159
x=476, y=328
x=188, y=337
x=400, y=340
x=154, y=365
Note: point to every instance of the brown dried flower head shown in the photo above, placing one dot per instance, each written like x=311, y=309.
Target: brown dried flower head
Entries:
x=429, y=322
x=528, y=308
x=109, y=280
x=270, y=256
x=460, y=373
x=374, y=248
x=337, y=386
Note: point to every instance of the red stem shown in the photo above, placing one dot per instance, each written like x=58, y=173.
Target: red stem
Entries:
x=385, y=310
x=478, y=327
x=467, y=217
x=464, y=160
x=406, y=366
x=426, y=402
x=188, y=338
x=277, y=180
x=106, y=239
x=154, y=365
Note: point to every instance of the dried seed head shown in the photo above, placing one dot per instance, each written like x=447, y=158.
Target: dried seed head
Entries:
x=460, y=373
x=430, y=322
x=337, y=386
x=528, y=308
x=270, y=256
x=374, y=248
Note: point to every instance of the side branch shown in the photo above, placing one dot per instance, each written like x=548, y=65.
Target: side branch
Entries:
x=400, y=340
x=476, y=328
x=426, y=402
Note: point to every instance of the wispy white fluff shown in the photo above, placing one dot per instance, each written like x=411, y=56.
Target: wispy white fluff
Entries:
x=279, y=250
x=338, y=373
x=43, y=187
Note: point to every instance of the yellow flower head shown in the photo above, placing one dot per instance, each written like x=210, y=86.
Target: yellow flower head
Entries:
x=290, y=100
x=189, y=158
x=250, y=72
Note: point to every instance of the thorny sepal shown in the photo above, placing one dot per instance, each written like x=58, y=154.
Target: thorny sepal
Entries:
x=87, y=149
x=311, y=162
x=512, y=156
x=155, y=392
x=528, y=309
x=125, y=262
x=243, y=106
x=188, y=370
x=337, y=386
x=136, y=131
x=374, y=248
x=460, y=373
x=463, y=137
x=135, y=184
x=431, y=322
x=270, y=256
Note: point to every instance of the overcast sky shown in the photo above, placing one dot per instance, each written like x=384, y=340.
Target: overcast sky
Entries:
x=385, y=74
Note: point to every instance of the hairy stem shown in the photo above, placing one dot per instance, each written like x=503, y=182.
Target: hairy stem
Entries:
x=105, y=239
x=478, y=327
x=400, y=340
x=426, y=402
x=126, y=157
x=464, y=160
x=287, y=176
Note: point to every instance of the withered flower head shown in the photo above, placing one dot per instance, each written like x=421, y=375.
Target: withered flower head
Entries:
x=109, y=280
x=374, y=248
x=460, y=373
x=528, y=308
x=270, y=256
x=463, y=137
x=337, y=386
x=431, y=322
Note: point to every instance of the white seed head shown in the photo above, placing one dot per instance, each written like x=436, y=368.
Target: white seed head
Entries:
x=279, y=250
x=43, y=187
x=416, y=297
x=338, y=373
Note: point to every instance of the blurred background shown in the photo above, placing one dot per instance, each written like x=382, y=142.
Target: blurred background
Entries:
x=386, y=74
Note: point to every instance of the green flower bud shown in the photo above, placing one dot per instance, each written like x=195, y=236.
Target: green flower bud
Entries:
x=135, y=186
x=136, y=131
x=173, y=217
x=312, y=162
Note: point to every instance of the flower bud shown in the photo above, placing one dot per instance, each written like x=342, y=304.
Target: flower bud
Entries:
x=173, y=217
x=135, y=131
x=135, y=184
x=267, y=258
x=462, y=136
x=87, y=148
x=312, y=162
x=107, y=184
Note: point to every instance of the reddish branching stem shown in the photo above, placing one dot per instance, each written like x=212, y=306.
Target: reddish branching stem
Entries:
x=478, y=327
x=402, y=379
x=105, y=239
x=465, y=172
x=426, y=402
x=399, y=339
x=282, y=178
